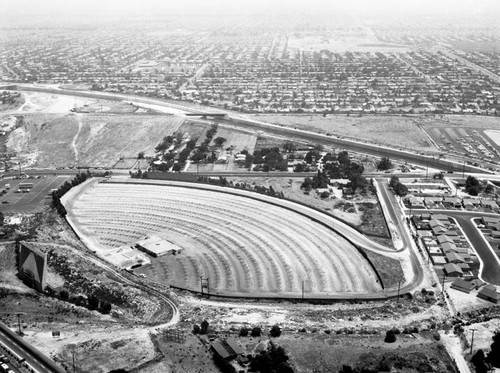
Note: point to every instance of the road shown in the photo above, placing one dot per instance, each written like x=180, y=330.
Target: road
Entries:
x=31, y=355
x=393, y=215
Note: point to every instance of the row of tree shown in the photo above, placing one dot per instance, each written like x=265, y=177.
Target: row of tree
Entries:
x=63, y=189
x=399, y=188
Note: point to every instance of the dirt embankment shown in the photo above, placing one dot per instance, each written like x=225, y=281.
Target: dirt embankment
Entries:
x=94, y=140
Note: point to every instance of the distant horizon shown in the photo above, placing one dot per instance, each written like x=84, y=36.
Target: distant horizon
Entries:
x=152, y=8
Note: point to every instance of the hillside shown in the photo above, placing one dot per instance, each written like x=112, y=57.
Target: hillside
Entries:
x=98, y=140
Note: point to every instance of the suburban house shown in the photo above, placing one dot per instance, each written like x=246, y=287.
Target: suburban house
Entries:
x=489, y=293
x=461, y=285
x=452, y=270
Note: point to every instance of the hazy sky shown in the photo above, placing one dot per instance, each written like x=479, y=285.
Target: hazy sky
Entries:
x=214, y=7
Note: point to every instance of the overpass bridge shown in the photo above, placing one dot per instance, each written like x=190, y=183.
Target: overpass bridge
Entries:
x=206, y=115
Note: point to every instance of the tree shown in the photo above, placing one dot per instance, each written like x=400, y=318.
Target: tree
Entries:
x=394, y=180
x=243, y=332
x=384, y=164
x=64, y=294
x=390, y=336
x=204, y=327
x=472, y=186
x=289, y=147
x=343, y=157
x=176, y=167
x=140, y=155
x=105, y=307
x=307, y=184
x=93, y=302
x=479, y=362
x=256, y=331
x=401, y=190
x=275, y=331
x=494, y=355
x=2, y=218
x=219, y=141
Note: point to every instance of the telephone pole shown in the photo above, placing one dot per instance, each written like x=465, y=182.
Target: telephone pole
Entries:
x=472, y=340
x=397, y=299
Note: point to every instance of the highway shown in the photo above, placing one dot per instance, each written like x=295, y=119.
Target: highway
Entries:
x=21, y=349
x=238, y=120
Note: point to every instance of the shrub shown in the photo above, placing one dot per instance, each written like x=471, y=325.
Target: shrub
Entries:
x=196, y=329
x=243, y=332
x=275, y=331
x=64, y=294
x=390, y=336
x=204, y=327
x=256, y=332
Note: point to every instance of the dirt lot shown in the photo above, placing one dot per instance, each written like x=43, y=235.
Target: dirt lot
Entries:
x=18, y=102
x=320, y=352
x=400, y=131
x=108, y=107
x=99, y=140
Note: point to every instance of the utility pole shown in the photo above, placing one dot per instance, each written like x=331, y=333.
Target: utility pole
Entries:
x=444, y=277
x=472, y=341
x=397, y=299
x=19, y=323
x=463, y=170
x=73, y=353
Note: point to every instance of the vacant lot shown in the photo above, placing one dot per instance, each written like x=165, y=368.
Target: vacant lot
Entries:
x=244, y=246
x=320, y=352
x=396, y=131
x=108, y=107
x=57, y=140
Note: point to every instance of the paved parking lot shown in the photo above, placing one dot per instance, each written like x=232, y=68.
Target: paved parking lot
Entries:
x=36, y=198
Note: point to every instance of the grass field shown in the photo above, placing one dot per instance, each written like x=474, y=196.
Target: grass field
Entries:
x=245, y=247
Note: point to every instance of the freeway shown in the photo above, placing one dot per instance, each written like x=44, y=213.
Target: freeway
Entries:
x=239, y=120
x=22, y=349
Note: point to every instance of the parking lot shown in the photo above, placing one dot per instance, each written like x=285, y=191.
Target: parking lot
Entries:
x=37, y=197
x=466, y=141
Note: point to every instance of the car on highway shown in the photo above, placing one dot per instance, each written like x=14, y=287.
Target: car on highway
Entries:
x=5, y=202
